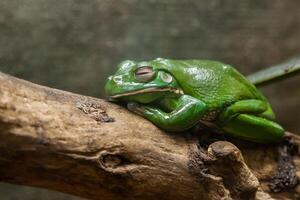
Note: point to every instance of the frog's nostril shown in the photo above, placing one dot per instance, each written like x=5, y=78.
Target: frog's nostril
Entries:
x=117, y=78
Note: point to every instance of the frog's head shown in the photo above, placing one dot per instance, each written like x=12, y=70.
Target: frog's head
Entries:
x=142, y=82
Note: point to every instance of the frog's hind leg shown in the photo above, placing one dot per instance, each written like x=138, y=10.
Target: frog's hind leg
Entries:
x=251, y=120
x=249, y=106
x=253, y=128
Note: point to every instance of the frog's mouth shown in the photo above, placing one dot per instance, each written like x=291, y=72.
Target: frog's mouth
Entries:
x=148, y=90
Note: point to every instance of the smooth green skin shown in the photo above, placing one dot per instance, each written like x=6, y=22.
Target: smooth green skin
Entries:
x=212, y=93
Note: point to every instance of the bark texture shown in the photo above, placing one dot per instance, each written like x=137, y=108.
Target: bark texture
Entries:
x=97, y=150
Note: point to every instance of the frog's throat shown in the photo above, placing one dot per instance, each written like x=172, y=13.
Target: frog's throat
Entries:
x=148, y=90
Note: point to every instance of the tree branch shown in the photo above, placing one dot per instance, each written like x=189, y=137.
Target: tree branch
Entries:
x=276, y=73
x=97, y=150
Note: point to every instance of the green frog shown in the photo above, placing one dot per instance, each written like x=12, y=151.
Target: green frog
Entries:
x=176, y=95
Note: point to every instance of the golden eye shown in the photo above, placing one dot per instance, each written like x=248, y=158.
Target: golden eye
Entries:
x=144, y=74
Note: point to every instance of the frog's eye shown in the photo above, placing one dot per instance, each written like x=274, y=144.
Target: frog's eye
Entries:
x=165, y=77
x=144, y=74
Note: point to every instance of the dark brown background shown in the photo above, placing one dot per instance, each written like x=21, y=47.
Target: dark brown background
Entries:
x=74, y=45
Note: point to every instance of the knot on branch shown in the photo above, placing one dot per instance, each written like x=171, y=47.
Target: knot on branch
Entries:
x=224, y=161
x=95, y=111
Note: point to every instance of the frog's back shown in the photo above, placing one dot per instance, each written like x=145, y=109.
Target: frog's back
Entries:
x=215, y=83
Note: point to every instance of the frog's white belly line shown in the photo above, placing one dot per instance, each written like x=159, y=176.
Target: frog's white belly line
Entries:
x=148, y=90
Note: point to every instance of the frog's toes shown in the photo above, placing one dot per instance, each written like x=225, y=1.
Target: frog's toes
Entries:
x=110, y=99
x=135, y=107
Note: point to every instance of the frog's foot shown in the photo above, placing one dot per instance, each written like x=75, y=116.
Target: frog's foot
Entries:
x=136, y=108
x=142, y=110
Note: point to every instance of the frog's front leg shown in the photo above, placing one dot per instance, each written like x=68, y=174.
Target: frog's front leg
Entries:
x=250, y=120
x=187, y=113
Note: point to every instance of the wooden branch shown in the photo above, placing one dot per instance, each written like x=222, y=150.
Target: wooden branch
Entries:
x=97, y=150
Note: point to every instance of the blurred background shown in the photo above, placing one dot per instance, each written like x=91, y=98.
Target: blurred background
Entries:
x=74, y=45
